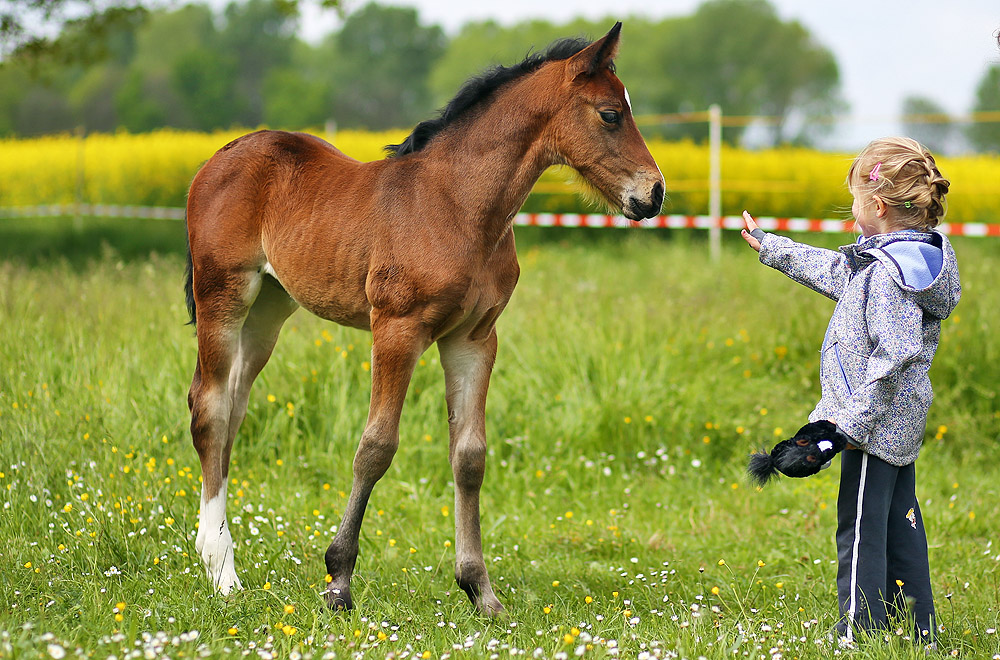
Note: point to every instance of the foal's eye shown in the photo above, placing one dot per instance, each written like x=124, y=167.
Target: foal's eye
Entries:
x=611, y=116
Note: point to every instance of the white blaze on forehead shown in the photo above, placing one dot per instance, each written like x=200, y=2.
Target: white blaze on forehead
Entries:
x=628, y=101
x=824, y=445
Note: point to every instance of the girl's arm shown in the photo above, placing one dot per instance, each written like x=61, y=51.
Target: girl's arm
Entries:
x=824, y=271
x=895, y=326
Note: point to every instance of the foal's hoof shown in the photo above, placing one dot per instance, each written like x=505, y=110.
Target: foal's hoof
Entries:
x=484, y=600
x=489, y=606
x=338, y=598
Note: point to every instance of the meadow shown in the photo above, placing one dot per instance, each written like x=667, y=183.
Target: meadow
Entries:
x=633, y=378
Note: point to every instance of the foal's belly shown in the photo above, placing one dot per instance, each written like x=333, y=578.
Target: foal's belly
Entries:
x=337, y=301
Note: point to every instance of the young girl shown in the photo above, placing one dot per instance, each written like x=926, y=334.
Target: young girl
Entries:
x=893, y=287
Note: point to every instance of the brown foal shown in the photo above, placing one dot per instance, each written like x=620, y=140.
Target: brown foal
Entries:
x=418, y=248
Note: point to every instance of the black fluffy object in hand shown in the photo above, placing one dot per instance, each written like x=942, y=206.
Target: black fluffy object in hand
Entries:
x=802, y=455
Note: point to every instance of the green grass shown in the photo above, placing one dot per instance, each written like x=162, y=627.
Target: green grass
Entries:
x=633, y=378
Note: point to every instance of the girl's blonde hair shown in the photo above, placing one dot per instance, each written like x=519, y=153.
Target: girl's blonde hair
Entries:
x=903, y=174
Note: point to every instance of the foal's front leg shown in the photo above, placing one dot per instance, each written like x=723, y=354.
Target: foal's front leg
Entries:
x=467, y=366
x=396, y=346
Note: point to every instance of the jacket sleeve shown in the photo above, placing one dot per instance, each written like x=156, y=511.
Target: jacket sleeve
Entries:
x=895, y=327
x=822, y=270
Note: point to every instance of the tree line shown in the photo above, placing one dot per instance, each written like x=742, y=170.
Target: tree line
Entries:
x=193, y=68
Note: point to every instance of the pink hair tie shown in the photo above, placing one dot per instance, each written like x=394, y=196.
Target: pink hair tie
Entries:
x=874, y=175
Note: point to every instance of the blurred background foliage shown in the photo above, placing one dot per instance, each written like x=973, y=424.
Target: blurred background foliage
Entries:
x=139, y=66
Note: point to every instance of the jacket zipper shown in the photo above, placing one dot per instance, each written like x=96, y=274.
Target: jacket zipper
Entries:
x=843, y=374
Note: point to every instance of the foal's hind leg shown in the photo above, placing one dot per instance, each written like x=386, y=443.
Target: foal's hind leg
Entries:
x=396, y=346
x=232, y=349
x=467, y=366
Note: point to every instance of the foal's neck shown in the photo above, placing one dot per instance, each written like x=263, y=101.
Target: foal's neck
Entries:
x=496, y=155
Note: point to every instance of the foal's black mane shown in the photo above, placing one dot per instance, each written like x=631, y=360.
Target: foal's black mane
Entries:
x=481, y=87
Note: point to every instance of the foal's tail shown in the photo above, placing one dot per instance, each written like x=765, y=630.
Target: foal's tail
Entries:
x=189, y=280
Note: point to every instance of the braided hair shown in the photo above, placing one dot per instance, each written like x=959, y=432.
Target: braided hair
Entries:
x=903, y=174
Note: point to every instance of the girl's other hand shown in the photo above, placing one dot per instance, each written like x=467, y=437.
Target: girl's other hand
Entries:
x=745, y=233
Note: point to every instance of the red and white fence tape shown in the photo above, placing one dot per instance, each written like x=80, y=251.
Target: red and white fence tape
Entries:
x=728, y=222
x=525, y=219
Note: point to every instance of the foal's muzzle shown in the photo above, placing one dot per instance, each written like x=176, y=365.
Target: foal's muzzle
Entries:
x=641, y=209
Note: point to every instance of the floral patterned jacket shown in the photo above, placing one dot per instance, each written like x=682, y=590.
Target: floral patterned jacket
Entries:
x=892, y=291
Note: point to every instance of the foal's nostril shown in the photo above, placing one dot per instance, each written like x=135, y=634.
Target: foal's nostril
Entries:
x=656, y=197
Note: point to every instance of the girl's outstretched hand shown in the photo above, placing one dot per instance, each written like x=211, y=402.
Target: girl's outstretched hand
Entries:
x=751, y=225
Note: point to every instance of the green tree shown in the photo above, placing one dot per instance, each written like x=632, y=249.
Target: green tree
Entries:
x=927, y=122
x=742, y=56
x=259, y=35
x=26, y=24
x=92, y=97
x=143, y=102
x=293, y=101
x=203, y=78
x=383, y=56
x=151, y=94
x=985, y=136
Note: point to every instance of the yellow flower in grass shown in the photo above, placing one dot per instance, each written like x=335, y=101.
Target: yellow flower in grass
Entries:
x=233, y=630
x=289, y=609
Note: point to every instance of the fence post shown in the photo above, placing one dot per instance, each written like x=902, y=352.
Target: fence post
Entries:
x=714, y=181
x=81, y=177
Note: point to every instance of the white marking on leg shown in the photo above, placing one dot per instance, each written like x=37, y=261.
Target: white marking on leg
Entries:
x=215, y=543
x=852, y=609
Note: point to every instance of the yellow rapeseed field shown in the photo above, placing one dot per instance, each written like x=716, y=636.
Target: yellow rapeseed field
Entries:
x=155, y=169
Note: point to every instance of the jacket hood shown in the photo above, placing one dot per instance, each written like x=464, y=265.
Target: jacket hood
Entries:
x=922, y=263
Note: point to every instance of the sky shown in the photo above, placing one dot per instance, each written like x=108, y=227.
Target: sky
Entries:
x=886, y=49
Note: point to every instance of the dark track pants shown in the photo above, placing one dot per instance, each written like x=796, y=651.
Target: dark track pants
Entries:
x=881, y=547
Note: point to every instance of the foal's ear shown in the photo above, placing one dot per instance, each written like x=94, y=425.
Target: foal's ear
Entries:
x=596, y=56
